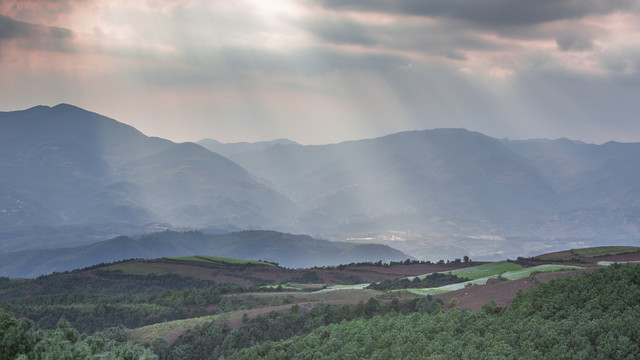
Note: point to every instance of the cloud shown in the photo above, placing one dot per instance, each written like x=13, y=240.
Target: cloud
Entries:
x=33, y=36
x=574, y=42
x=496, y=66
x=341, y=31
x=489, y=12
x=407, y=37
x=238, y=66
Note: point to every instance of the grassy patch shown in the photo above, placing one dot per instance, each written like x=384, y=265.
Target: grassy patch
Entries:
x=481, y=271
x=346, y=287
x=566, y=255
x=282, y=286
x=518, y=273
x=605, y=250
x=169, y=330
x=523, y=273
x=161, y=268
x=425, y=292
x=217, y=259
x=609, y=263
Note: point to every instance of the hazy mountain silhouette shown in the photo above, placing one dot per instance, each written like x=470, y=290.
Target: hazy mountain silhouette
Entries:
x=599, y=185
x=64, y=165
x=438, y=180
x=286, y=249
x=457, y=181
x=240, y=147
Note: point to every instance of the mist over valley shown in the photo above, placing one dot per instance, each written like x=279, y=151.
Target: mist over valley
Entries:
x=71, y=177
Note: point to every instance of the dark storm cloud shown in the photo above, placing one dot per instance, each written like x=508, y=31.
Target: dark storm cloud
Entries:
x=341, y=32
x=12, y=29
x=33, y=36
x=489, y=12
x=444, y=39
x=574, y=42
x=237, y=65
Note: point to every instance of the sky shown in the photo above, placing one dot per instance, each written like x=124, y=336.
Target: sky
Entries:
x=325, y=71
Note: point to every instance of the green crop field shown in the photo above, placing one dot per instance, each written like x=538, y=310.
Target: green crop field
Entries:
x=282, y=286
x=526, y=272
x=605, y=250
x=425, y=292
x=481, y=271
x=566, y=255
x=217, y=259
x=159, y=268
x=494, y=271
x=345, y=287
x=609, y=263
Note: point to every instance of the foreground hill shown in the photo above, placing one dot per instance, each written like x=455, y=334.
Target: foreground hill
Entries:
x=593, y=316
x=179, y=308
x=285, y=249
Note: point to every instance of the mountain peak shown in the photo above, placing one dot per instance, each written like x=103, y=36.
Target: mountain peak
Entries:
x=67, y=106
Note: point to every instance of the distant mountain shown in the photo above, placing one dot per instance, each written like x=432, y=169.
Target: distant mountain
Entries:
x=63, y=165
x=457, y=182
x=286, y=249
x=599, y=186
x=447, y=180
x=241, y=147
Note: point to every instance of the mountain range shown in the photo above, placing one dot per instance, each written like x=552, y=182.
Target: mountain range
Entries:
x=65, y=170
x=65, y=166
x=454, y=181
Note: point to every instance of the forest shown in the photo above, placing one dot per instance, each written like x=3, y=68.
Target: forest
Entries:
x=592, y=316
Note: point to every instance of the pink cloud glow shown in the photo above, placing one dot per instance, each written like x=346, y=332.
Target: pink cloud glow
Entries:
x=252, y=62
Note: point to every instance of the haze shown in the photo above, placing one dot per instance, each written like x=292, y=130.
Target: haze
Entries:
x=323, y=71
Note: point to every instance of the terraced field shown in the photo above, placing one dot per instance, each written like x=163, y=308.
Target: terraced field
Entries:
x=605, y=250
x=586, y=254
x=526, y=272
x=485, y=270
x=492, y=271
x=480, y=271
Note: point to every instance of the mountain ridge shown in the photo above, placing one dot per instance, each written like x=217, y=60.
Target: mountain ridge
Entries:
x=286, y=249
x=63, y=165
x=67, y=160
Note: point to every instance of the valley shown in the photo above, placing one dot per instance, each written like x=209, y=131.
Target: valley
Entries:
x=319, y=179
x=70, y=177
x=114, y=244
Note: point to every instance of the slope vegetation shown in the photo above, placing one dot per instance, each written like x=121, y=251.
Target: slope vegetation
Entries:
x=555, y=321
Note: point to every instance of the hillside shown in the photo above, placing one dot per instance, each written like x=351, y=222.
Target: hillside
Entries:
x=453, y=181
x=438, y=181
x=207, y=307
x=70, y=177
x=553, y=321
x=286, y=249
x=65, y=166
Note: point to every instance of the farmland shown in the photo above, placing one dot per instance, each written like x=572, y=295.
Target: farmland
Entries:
x=219, y=260
x=605, y=251
x=483, y=271
x=180, y=302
